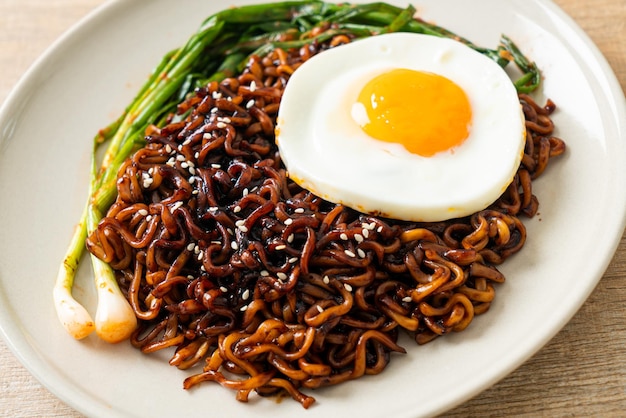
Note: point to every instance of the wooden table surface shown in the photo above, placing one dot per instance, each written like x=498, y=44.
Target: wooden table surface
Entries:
x=581, y=372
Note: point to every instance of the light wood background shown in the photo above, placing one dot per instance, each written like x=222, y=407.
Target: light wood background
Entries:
x=581, y=372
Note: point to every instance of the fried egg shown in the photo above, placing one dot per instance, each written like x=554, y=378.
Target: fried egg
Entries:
x=406, y=126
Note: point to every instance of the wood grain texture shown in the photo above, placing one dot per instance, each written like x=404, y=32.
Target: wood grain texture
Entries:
x=581, y=372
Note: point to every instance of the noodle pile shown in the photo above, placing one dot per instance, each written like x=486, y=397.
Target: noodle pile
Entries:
x=228, y=261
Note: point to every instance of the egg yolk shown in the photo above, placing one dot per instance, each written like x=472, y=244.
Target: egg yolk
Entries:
x=425, y=112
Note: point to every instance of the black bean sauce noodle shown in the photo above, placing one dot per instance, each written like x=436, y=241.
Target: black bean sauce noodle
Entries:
x=271, y=288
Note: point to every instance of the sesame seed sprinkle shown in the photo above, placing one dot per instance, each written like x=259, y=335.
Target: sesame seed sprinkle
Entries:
x=253, y=86
x=380, y=229
x=326, y=280
x=142, y=212
x=349, y=253
x=299, y=210
x=407, y=299
x=280, y=247
x=221, y=125
x=223, y=289
x=343, y=236
x=288, y=221
x=191, y=246
x=281, y=276
x=216, y=166
x=234, y=245
x=319, y=308
x=180, y=157
x=244, y=308
x=168, y=148
x=290, y=238
x=361, y=253
x=243, y=228
x=192, y=170
x=358, y=238
x=250, y=104
x=264, y=273
x=347, y=287
x=293, y=260
x=245, y=295
x=237, y=209
x=366, y=233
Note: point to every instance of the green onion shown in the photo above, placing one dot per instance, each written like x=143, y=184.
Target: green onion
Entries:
x=220, y=48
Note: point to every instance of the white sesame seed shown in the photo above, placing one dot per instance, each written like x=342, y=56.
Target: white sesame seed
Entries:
x=223, y=289
x=195, y=192
x=244, y=308
x=196, y=249
x=180, y=147
x=245, y=192
x=347, y=287
x=213, y=209
x=180, y=157
x=264, y=273
x=217, y=95
x=221, y=125
x=196, y=155
x=361, y=253
x=280, y=247
x=216, y=242
x=186, y=142
x=372, y=226
x=226, y=120
x=234, y=245
x=343, y=236
x=191, y=246
x=253, y=86
x=151, y=170
x=142, y=212
x=288, y=221
x=214, y=110
x=216, y=166
x=290, y=238
x=245, y=295
x=293, y=260
x=358, y=238
x=147, y=183
x=176, y=205
x=192, y=180
x=380, y=229
x=184, y=164
x=171, y=163
x=230, y=231
x=237, y=209
x=349, y=253
x=407, y=299
x=240, y=222
x=281, y=276
x=299, y=210
x=200, y=255
x=319, y=308
x=192, y=170
x=149, y=218
x=366, y=232
x=168, y=148
x=207, y=136
x=250, y=104
x=202, y=268
x=243, y=228
x=326, y=280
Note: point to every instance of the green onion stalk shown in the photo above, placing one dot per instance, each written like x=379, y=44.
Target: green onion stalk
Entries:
x=220, y=48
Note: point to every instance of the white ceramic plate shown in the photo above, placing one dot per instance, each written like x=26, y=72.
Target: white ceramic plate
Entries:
x=87, y=78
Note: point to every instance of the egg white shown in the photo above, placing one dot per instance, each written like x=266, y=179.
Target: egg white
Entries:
x=326, y=151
